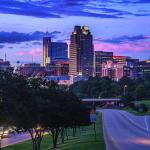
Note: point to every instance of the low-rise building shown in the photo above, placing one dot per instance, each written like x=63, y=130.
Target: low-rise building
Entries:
x=116, y=70
x=121, y=58
x=30, y=69
x=143, y=68
x=99, y=58
x=64, y=80
x=113, y=70
x=58, y=68
x=61, y=80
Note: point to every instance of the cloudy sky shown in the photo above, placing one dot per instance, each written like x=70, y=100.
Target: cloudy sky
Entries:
x=121, y=26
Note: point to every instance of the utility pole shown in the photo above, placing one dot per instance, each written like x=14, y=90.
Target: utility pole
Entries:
x=32, y=58
x=5, y=57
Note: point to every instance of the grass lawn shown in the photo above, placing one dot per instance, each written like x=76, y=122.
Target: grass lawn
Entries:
x=146, y=102
x=85, y=140
x=134, y=111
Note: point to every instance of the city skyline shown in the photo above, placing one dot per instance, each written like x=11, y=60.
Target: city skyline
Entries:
x=115, y=27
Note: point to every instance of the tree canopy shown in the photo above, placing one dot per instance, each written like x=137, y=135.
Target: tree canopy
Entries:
x=36, y=106
x=97, y=87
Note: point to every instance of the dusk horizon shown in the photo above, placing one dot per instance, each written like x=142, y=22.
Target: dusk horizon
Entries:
x=120, y=27
x=74, y=74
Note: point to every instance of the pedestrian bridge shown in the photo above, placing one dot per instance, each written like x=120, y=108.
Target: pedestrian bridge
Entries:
x=101, y=101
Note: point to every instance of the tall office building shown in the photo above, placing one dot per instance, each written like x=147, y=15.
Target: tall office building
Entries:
x=99, y=58
x=53, y=51
x=81, y=52
x=58, y=51
x=46, y=43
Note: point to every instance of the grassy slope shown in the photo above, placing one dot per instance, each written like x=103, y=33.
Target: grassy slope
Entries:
x=146, y=102
x=85, y=140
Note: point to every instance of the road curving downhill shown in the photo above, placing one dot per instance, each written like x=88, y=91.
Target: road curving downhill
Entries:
x=125, y=131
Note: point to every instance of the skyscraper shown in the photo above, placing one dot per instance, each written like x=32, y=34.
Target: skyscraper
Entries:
x=46, y=43
x=58, y=51
x=53, y=51
x=81, y=52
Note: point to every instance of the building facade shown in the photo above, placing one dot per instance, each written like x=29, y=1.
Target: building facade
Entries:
x=5, y=65
x=116, y=70
x=31, y=69
x=46, y=43
x=58, y=51
x=53, y=51
x=143, y=69
x=61, y=80
x=121, y=58
x=59, y=68
x=81, y=52
x=99, y=58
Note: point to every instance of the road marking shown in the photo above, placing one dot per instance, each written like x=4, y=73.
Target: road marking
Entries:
x=146, y=123
x=135, y=123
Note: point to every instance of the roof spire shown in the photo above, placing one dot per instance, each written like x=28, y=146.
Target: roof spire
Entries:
x=46, y=34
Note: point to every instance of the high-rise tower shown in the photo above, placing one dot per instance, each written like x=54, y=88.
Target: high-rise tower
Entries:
x=58, y=51
x=81, y=52
x=46, y=43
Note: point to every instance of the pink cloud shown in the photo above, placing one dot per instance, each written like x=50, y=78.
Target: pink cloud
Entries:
x=21, y=53
x=35, y=52
x=120, y=49
x=32, y=52
x=133, y=47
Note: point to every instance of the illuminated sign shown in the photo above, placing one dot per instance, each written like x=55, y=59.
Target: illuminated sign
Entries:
x=85, y=30
x=120, y=57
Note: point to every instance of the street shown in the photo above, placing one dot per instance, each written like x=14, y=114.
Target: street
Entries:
x=124, y=131
x=15, y=139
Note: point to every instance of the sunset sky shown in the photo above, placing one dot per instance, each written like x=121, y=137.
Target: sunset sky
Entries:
x=121, y=26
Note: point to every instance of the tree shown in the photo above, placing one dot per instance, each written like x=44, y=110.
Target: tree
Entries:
x=64, y=112
x=36, y=106
x=140, y=92
x=9, y=85
x=20, y=106
x=115, y=89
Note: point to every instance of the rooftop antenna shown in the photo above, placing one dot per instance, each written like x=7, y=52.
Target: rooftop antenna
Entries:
x=47, y=30
x=32, y=58
x=46, y=34
x=5, y=57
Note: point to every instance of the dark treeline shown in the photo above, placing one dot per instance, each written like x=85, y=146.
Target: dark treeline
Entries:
x=126, y=88
x=36, y=107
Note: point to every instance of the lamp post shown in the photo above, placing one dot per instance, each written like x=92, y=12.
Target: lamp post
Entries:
x=124, y=90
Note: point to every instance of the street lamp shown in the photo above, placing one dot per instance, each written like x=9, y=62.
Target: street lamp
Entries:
x=124, y=93
x=4, y=133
